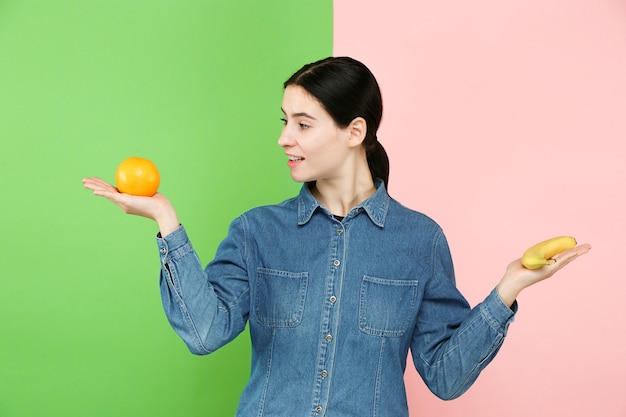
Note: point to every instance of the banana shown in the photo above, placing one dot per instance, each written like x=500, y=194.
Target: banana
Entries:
x=541, y=254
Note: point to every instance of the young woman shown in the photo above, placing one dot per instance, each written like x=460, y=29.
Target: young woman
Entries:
x=339, y=282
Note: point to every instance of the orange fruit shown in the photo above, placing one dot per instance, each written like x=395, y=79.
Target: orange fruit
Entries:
x=137, y=176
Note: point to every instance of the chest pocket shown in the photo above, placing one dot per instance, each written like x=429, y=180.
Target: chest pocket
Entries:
x=387, y=306
x=279, y=297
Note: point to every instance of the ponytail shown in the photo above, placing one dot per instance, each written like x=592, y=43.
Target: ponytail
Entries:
x=378, y=162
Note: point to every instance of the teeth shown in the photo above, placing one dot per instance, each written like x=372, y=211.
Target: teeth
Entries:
x=295, y=158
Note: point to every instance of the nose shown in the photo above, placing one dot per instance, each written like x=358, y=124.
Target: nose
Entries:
x=285, y=139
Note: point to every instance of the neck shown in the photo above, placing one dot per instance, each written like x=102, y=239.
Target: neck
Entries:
x=341, y=196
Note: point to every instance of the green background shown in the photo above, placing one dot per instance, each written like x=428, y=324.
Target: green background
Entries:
x=196, y=87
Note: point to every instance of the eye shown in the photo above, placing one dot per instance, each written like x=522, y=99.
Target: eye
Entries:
x=284, y=121
x=303, y=126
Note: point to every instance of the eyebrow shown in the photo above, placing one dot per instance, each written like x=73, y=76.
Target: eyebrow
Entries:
x=299, y=114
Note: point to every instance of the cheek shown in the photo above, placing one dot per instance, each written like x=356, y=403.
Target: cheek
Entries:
x=322, y=142
x=311, y=145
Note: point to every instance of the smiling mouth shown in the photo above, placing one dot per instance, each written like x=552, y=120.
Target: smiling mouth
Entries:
x=294, y=161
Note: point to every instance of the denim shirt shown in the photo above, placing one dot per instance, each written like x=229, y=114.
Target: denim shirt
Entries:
x=334, y=307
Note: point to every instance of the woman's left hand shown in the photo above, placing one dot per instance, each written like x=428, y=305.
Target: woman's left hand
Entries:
x=517, y=277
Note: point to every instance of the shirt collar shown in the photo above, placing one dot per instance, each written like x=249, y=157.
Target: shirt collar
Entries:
x=375, y=206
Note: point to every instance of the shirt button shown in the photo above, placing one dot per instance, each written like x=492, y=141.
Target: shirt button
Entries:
x=336, y=262
x=340, y=230
x=333, y=299
x=318, y=409
x=324, y=373
x=163, y=251
x=329, y=338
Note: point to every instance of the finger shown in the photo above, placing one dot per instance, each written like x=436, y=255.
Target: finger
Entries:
x=91, y=183
x=98, y=185
x=562, y=259
x=571, y=254
x=95, y=181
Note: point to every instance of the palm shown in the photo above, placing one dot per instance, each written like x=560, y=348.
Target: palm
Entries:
x=130, y=204
x=517, y=277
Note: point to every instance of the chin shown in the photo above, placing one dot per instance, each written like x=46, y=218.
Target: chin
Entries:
x=302, y=179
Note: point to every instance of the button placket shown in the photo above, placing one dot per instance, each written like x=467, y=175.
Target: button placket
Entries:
x=327, y=342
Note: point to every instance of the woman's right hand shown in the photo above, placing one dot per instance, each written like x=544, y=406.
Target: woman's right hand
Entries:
x=157, y=207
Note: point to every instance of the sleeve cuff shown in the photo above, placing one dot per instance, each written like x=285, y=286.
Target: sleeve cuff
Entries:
x=496, y=313
x=173, y=242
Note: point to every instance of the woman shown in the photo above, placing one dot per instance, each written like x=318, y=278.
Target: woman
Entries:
x=339, y=282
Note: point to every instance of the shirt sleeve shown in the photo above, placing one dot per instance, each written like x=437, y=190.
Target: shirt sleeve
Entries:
x=207, y=307
x=453, y=343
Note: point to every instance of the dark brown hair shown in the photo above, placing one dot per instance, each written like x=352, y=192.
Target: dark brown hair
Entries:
x=347, y=89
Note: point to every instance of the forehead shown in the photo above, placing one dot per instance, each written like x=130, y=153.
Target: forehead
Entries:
x=297, y=100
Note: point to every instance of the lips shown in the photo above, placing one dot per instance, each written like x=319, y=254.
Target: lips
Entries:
x=294, y=160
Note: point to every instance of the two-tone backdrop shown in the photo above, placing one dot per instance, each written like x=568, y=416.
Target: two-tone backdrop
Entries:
x=504, y=122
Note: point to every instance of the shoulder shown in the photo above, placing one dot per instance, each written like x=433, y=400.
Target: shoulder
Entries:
x=283, y=206
x=399, y=213
x=265, y=213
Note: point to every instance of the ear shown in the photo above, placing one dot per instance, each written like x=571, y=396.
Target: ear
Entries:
x=357, y=129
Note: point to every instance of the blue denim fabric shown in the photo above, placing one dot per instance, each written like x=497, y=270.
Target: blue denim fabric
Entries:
x=334, y=307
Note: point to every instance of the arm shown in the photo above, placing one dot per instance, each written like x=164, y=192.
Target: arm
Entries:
x=206, y=307
x=453, y=344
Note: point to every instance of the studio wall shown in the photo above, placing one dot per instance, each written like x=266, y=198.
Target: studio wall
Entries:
x=195, y=86
x=504, y=121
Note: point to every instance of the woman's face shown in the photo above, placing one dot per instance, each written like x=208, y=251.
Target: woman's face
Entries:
x=315, y=146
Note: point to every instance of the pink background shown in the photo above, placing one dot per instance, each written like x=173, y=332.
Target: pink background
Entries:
x=506, y=122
